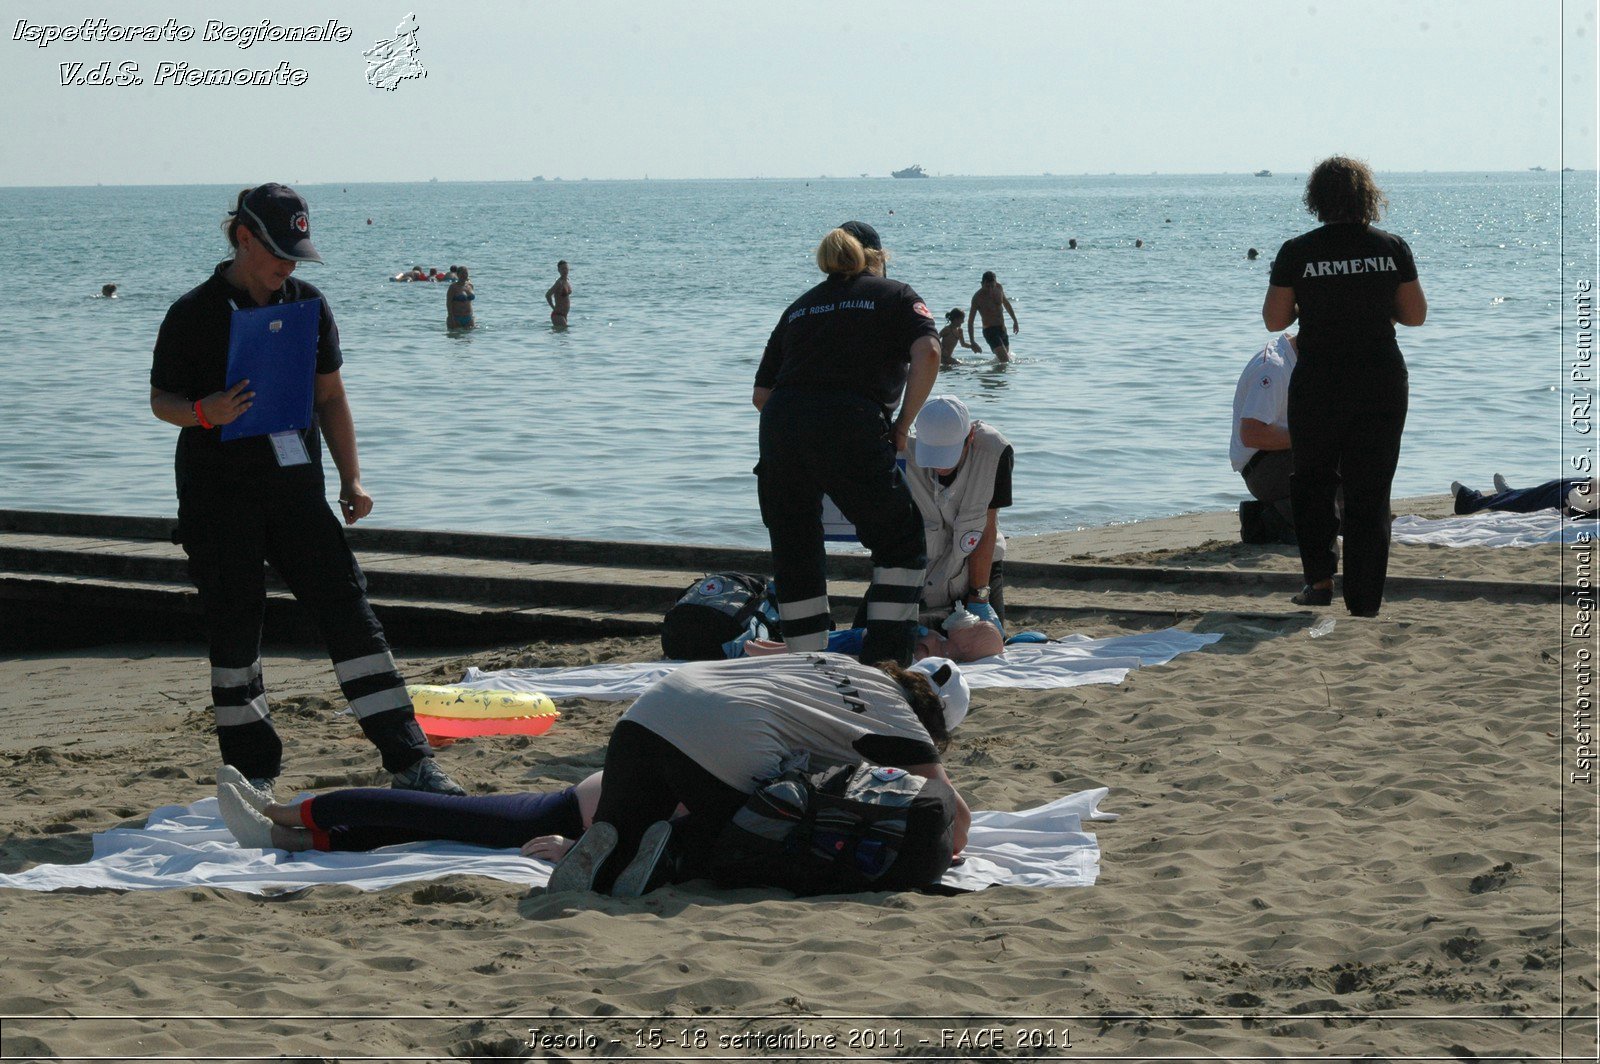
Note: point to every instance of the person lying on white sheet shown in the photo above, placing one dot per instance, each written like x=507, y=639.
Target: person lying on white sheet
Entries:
x=965, y=639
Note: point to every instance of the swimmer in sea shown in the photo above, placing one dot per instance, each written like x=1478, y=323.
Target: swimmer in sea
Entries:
x=950, y=338
x=458, y=302
x=990, y=305
x=559, y=296
x=108, y=291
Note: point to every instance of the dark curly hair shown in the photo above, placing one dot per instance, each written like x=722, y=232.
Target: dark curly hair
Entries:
x=1342, y=189
x=925, y=701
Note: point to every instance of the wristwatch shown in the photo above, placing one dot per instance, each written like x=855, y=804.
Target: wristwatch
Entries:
x=979, y=594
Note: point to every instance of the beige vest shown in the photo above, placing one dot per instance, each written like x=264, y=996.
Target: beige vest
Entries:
x=953, y=518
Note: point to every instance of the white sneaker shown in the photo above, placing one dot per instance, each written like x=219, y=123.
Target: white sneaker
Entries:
x=257, y=793
x=1500, y=483
x=252, y=830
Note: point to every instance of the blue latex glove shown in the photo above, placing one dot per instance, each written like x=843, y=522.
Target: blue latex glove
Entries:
x=1029, y=636
x=985, y=612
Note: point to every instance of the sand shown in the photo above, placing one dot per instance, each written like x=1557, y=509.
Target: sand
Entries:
x=1330, y=847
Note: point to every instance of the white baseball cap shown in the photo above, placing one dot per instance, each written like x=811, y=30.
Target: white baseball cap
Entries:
x=950, y=686
x=942, y=427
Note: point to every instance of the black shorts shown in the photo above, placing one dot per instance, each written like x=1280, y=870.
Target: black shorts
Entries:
x=995, y=336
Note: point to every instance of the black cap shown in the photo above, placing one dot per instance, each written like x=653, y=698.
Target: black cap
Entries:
x=864, y=233
x=278, y=215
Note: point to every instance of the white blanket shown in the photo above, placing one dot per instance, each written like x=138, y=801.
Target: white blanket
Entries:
x=181, y=847
x=1490, y=528
x=1071, y=662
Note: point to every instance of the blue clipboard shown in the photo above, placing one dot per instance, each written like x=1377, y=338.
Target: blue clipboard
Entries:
x=275, y=349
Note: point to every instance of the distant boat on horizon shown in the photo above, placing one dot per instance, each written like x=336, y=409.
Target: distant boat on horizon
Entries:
x=915, y=170
x=1263, y=173
x=1537, y=169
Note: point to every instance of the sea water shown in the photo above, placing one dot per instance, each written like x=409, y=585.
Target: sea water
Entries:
x=636, y=423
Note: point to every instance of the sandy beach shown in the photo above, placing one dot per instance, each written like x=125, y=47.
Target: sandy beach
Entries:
x=1327, y=847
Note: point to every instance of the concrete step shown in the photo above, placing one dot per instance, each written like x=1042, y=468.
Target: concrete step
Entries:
x=478, y=567
x=443, y=588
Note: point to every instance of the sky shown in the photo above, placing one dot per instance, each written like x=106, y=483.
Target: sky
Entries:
x=773, y=88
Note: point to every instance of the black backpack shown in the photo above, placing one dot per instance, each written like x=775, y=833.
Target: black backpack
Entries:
x=845, y=829
x=714, y=610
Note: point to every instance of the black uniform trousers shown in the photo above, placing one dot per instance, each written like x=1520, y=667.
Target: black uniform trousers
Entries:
x=1346, y=427
x=229, y=525
x=816, y=443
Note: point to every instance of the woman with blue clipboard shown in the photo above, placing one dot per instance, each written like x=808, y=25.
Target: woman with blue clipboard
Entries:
x=247, y=365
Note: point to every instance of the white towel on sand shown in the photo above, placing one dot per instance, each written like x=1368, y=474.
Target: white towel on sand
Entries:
x=1490, y=528
x=182, y=847
x=1070, y=662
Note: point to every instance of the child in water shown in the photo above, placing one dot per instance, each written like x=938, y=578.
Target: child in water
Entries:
x=950, y=338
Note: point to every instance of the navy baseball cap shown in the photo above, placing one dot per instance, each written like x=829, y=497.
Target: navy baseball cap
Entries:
x=864, y=233
x=278, y=215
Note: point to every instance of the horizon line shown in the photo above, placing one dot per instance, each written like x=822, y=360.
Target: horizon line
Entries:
x=541, y=179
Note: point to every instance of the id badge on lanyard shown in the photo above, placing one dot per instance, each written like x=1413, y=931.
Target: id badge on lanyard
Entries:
x=289, y=449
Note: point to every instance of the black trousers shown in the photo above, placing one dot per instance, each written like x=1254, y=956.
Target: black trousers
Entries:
x=646, y=779
x=1267, y=478
x=1346, y=429
x=840, y=445
x=229, y=527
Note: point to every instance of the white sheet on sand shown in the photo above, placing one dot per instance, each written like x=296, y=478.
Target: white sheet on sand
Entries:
x=183, y=847
x=1490, y=528
x=1070, y=662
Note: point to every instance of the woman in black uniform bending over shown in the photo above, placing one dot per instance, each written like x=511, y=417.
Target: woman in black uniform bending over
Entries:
x=833, y=370
x=260, y=498
x=1349, y=283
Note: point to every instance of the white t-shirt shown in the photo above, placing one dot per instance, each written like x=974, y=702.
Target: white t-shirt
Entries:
x=1262, y=394
x=739, y=719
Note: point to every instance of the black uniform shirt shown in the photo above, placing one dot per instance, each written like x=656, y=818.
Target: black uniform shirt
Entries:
x=191, y=360
x=1344, y=277
x=849, y=334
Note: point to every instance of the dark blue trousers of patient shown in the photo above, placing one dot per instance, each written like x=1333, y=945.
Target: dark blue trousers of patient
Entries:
x=364, y=818
x=1551, y=495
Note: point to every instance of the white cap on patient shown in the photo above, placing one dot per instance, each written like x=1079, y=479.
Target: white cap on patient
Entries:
x=950, y=686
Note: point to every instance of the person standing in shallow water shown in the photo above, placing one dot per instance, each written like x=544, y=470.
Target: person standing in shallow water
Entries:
x=258, y=499
x=559, y=297
x=458, y=302
x=990, y=306
x=1348, y=283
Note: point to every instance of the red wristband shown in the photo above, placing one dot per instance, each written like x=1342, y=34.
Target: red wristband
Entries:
x=200, y=417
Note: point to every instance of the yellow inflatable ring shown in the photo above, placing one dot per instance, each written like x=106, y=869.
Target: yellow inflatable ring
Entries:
x=468, y=703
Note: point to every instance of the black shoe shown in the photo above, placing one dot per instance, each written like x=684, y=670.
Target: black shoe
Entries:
x=1313, y=596
x=651, y=866
x=579, y=867
x=426, y=775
